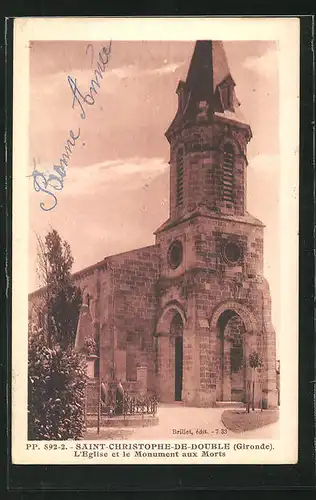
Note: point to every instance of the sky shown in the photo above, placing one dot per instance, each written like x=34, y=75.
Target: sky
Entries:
x=116, y=192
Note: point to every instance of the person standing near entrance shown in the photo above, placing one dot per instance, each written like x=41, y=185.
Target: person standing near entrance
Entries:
x=119, y=399
x=104, y=394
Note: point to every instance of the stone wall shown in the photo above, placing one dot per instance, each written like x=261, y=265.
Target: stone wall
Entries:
x=203, y=282
x=132, y=311
x=121, y=294
x=202, y=238
x=133, y=297
x=202, y=147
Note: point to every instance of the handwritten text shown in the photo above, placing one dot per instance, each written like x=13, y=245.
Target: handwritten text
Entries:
x=47, y=182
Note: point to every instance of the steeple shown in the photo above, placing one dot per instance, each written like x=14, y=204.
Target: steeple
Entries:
x=208, y=89
x=208, y=68
x=208, y=139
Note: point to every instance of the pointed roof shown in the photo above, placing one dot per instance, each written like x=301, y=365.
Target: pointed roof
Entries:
x=207, y=76
x=84, y=328
x=208, y=67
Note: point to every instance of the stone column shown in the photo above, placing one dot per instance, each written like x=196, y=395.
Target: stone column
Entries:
x=85, y=327
x=190, y=379
x=204, y=368
x=215, y=366
x=270, y=393
x=191, y=356
x=106, y=353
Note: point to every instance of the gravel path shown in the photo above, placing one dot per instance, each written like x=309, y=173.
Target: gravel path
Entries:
x=181, y=422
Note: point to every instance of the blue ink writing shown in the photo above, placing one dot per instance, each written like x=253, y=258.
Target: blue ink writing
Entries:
x=46, y=182
x=90, y=46
x=41, y=180
x=80, y=98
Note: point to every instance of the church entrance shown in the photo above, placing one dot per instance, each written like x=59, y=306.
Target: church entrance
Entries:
x=232, y=367
x=176, y=331
x=178, y=368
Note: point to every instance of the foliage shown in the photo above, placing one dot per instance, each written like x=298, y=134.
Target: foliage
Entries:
x=62, y=300
x=254, y=360
x=56, y=388
x=90, y=346
x=63, y=311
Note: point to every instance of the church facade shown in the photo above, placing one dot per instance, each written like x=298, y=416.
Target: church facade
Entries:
x=185, y=318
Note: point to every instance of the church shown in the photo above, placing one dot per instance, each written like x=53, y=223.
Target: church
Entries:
x=184, y=317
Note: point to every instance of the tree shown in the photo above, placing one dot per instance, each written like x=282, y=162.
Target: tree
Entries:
x=56, y=372
x=56, y=388
x=62, y=300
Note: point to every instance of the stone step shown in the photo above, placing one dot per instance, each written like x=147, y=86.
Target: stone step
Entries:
x=230, y=404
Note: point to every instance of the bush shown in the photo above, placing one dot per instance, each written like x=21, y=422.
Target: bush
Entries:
x=56, y=389
x=90, y=346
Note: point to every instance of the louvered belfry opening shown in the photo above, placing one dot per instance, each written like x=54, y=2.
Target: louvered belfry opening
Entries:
x=180, y=177
x=228, y=173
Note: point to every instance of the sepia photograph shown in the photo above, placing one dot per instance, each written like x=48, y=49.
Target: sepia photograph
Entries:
x=154, y=248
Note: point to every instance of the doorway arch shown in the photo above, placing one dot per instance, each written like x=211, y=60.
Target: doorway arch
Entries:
x=235, y=327
x=165, y=319
x=232, y=357
x=170, y=352
x=176, y=332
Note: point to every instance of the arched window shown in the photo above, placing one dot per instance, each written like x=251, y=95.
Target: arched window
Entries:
x=228, y=173
x=179, y=166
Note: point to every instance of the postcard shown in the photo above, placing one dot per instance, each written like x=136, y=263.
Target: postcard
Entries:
x=155, y=241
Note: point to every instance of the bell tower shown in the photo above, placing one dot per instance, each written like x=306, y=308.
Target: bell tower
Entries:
x=208, y=138
x=211, y=250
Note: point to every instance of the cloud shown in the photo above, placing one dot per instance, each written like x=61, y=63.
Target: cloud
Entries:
x=123, y=71
x=104, y=209
x=265, y=65
x=54, y=84
x=132, y=70
x=128, y=174
x=168, y=68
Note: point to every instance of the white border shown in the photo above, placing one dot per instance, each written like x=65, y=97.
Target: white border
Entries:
x=286, y=32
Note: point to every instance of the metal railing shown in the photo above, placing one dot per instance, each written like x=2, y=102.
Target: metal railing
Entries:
x=132, y=405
